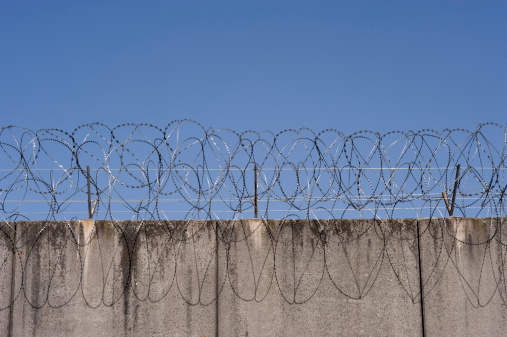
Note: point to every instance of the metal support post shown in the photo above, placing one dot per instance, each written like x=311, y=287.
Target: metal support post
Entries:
x=456, y=183
x=90, y=214
x=255, y=191
x=450, y=207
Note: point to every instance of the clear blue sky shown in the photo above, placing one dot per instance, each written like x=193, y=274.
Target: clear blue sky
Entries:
x=259, y=65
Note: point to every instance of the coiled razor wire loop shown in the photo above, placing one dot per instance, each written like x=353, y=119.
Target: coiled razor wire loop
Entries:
x=185, y=171
x=183, y=174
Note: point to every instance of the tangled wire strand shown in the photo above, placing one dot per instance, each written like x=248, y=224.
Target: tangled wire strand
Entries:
x=184, y=171
x=209, y=180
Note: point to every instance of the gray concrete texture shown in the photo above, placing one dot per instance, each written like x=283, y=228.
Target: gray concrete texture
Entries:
x=271, y=278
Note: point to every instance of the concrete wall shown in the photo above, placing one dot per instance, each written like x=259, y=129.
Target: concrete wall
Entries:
x=274, y=278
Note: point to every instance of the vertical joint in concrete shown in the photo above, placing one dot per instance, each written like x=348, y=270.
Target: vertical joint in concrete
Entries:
x=13, y=281
x=217, y=286
x=420, y=277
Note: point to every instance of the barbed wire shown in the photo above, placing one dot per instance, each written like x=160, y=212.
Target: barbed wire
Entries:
x=209, y=180
x=138, y=167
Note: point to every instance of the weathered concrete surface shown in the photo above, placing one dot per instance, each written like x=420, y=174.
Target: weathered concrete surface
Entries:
x=274, y=278
x=465, y=288
x=93, y=279
x=371, y=302
x=8, y=291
